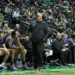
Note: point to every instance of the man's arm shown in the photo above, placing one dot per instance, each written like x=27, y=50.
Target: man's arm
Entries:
x=4, y=46
x=19, y=43
x=10, y=44
x=46, y=30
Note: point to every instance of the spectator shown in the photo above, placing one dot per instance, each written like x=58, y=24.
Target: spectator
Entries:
x=7, y=10
x=63, y=21
x=16, y=15
x=18, y=3
x=59, y=50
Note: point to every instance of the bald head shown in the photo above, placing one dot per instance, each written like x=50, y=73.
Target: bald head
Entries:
x=39, y=17
x=17, y=26
x=39, y=14
x=59, y=36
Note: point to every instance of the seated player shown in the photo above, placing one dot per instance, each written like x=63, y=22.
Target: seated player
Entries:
x=6, y=29
x=13, y=42
x=3, y=50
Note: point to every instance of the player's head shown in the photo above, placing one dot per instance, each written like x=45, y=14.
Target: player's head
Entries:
x=14, y=34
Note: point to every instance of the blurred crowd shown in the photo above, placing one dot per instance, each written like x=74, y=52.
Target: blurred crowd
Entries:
x=59, y=15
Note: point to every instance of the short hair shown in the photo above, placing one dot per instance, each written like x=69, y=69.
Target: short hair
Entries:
x=13, y=33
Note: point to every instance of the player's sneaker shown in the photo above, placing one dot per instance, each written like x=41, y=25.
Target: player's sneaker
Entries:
x=25, y=67
x=13, y=67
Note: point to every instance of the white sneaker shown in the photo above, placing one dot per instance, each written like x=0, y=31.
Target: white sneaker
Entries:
x=3, y=66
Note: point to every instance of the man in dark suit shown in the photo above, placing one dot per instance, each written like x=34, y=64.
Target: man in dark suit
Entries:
x=39, y=35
